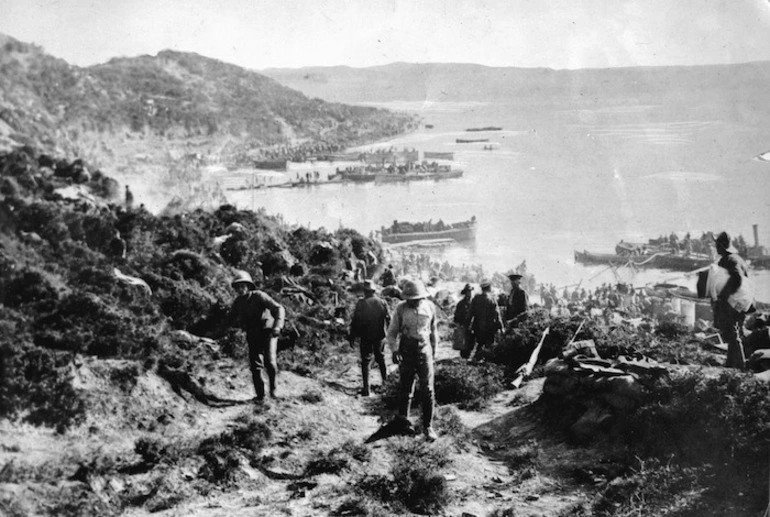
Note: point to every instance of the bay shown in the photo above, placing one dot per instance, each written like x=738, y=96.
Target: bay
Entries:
x=560, y=179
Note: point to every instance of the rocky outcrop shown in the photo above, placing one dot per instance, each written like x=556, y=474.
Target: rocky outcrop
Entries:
x=604, y=388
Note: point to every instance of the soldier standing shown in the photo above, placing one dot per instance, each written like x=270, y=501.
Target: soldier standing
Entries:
x=370, y=318
x=250, y=313
x=484, y=318
x=412, y=336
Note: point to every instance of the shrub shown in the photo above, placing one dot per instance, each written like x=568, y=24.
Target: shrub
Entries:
x=470, y=385
x=154, y=451
x=38, y=380
x=654, y=489
x=524, y=460
x=337, y=459
x=312, y=397
x=415, y=474
x=447, y=422
x=29, y=286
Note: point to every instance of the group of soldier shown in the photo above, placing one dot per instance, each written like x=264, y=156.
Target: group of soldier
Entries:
x=411, y=331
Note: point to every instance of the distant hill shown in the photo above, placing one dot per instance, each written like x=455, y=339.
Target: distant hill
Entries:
x=469, y=82
x=149, y=105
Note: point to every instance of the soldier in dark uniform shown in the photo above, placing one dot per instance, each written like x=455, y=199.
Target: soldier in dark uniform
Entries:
x=518, y=301
x=484, y=318
x=249, y=312
x=370, y=319
x=463, y=339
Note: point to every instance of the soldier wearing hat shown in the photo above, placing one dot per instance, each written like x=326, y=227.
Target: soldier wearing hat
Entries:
x=727, y=318
x=517, y=303
x=370, y=319
x=412, y=336
x=463, y=339
x=484, y=318
x=262, y=318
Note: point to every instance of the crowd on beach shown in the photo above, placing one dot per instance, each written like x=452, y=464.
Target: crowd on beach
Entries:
x=299, y=152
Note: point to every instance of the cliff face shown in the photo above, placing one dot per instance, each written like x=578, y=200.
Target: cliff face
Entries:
x=171, y=103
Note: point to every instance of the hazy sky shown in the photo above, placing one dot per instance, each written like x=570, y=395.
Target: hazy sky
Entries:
x=292, y=33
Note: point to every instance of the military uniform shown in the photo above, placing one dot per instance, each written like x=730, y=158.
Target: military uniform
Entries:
x=262, y=318
x=412, y=336
x=370, y=318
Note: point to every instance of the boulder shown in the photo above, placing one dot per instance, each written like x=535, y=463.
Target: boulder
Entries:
x=592, y=421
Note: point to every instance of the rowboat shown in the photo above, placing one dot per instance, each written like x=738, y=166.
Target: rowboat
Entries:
x=459, y=232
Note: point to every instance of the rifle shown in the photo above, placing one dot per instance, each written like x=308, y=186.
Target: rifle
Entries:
x=526, y=369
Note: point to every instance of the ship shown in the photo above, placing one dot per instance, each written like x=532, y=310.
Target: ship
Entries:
x=485, y=128
x=673, y=261
x=464, y=231
x=470, y=140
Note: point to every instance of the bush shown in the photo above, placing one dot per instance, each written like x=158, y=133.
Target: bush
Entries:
x=38, y=381
x=28, y=286
x=719, y=422
x=524, y=460
x=415, y=473
x=414, y=482
x=337, y=459
x=447, y=422
x=654, y=489
x=469, y=385
x=155, y=451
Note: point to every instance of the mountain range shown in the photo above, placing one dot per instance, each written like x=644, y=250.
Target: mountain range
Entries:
x=470, y=82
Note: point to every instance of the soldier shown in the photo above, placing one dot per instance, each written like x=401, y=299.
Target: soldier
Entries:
x=370, y=318
x=129, y=198
x=250, y=312
x=412, y=336
x=484, y=318
x=518, y=301
x=463, y=339
x=730, y=311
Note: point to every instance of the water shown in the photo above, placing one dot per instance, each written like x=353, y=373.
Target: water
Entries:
x=562, y=179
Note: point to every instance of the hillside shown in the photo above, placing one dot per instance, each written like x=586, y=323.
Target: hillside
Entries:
x=470, y=82
x=145, y=109
x=122, y=392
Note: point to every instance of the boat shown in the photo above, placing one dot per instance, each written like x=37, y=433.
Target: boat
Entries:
x=459, y=232
x=390, y=177
x=470, y=140
x=486, y=128
x=676, y=262
x=273, y=165
x=361, y=177
x=433, y=155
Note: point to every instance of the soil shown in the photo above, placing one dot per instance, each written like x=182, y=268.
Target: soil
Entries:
x=312, y=415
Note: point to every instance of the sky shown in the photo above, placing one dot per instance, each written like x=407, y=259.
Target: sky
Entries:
x=259, y=34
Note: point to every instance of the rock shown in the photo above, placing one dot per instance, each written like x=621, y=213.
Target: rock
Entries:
x=593, y=420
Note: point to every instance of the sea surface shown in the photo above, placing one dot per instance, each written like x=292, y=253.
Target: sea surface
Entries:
x=561, y=179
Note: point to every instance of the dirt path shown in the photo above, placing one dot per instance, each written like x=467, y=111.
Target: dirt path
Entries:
x=489, y=471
